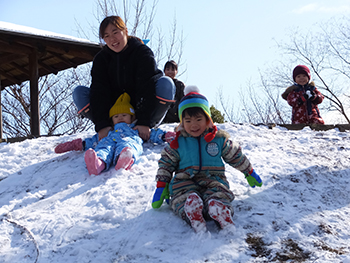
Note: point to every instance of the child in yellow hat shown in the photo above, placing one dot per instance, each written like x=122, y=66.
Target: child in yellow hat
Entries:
x=123, y=145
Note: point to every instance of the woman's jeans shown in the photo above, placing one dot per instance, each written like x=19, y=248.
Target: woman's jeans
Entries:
x=165, y=92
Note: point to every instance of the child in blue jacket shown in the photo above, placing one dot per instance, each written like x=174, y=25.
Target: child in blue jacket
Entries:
x=123, y=145
x=199, y=190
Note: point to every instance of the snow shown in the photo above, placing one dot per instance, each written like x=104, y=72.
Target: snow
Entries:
x=42, y=33
x=53, y=211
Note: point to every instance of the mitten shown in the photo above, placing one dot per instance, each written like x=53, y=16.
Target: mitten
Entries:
x=161, y=193
x=75, y=145
x=309, y=95
x=169, y=136
x=157, y=136
x=253, y=179
x=312, y=95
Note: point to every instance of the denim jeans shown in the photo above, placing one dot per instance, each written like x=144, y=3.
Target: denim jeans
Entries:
x=165, y=93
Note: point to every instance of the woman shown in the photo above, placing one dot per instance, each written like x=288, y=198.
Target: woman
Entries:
x=124, y=64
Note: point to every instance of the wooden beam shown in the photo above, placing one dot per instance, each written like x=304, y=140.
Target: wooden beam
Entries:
x=11, y=78
x=34, y=94
x=48, y=68
x=64, y=60
x=4, y=59
x=20, y=68
x=74, y=52
x=14, y=48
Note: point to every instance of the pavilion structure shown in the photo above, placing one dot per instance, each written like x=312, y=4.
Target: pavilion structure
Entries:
x=27, y=54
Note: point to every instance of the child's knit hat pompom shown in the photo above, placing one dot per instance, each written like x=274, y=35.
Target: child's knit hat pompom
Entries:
x=191, y=88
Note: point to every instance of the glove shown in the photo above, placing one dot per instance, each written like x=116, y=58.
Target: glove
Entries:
x=169, y=136
x=157, y=136
x=253, y=179
x=161, y=193
x=312, y=95
x=309, y=95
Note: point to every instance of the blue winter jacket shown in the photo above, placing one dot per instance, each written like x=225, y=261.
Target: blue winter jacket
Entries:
x=196, y=157
x=120, y=137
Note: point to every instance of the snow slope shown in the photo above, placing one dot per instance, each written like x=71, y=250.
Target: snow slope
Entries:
x=53, y=211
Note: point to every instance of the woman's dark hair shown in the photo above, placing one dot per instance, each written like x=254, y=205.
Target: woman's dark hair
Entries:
x=114, y=20
x=193, y=112
x=170, y=63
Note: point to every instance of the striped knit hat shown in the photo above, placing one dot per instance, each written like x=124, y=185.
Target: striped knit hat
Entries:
x=193, y=99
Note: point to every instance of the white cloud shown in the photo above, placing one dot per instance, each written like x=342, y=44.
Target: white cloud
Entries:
x=320, y=8
x=335, y=9
x=306, y=9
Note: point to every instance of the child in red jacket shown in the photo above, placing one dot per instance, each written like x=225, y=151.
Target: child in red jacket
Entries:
x=304, y=97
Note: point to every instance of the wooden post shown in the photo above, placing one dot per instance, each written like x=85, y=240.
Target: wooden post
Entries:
x=34, y=94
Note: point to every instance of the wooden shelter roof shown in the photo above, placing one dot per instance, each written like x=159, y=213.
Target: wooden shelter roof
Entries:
x=54, y=53
x=28, y=53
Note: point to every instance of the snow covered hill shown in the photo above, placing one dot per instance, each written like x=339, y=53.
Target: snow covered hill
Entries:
x=51, y=210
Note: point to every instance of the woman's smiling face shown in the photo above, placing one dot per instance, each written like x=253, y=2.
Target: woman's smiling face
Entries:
x=115, y=38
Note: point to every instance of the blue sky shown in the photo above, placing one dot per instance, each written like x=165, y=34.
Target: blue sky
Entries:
x=226, y=41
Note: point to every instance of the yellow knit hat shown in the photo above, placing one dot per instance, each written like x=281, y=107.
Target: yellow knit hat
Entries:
x=122, y=105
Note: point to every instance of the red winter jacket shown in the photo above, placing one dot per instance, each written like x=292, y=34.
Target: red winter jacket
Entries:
x=304, y=110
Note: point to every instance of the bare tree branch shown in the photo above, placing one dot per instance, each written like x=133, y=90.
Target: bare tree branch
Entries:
x=58, y=114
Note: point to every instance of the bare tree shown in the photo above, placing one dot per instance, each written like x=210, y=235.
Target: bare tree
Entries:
x=258, y=103
x=327, y=55
x=58, y=113
x=228, y=107
x=139, y=16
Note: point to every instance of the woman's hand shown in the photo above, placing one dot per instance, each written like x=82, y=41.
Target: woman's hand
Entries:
x=144, y=132
x=103, y=132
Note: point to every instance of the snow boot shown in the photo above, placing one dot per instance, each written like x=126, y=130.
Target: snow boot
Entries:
x=94, y=164
x=193, y=210
x=220, y=213
x=85, y=113
x=165, y=93
x=75, y=145
x=124, y=160
x=159, y=113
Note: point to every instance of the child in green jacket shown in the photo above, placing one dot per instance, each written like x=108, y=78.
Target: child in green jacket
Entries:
x=199, y=189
